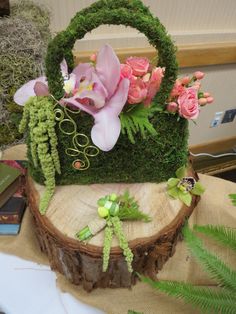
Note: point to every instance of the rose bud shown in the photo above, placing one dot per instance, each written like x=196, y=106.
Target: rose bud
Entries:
x=199, y=75
x=206, y=95
x=172, y=107
x=210, y=100
x=202, y=101
x=93, y=57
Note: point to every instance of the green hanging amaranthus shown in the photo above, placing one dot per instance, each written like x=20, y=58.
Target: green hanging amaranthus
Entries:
x=40, y=117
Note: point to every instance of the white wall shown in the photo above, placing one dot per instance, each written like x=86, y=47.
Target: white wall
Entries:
x=188, y=21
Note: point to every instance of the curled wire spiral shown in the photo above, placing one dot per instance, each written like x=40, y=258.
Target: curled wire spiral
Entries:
x=81, y=144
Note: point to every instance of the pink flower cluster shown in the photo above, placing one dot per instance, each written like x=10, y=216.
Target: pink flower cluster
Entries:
x=186, y=97
x=145, y=80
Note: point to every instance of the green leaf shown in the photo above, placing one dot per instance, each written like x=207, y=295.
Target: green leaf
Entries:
x=206, y=299
x=136, y=120
x=173, y=192
x=172, y=182
x=133, y=312
x=215, y=267
x=181, y=172
x=224, y=235
x=198, y=189
x=186, y=198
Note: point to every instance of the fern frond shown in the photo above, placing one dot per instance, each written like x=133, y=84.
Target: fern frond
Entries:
x=216, y=268
x=224, y=235
x=206, y=299
x=136, y=120
x=233, y=198
x=129, y=209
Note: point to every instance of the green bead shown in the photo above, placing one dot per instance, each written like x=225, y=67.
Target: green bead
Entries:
x=101, y=202
x=113, y=197
x=103, y=212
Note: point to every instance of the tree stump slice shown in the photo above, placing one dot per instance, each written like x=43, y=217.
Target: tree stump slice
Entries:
x=71, y=209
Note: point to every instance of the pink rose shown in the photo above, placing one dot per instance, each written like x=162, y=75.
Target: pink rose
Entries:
x=172, y=107
x=185, y=80
x=178, y=89
x=126, y=71
x=137, y=92
x=139, y=65
x=153, y=85
x=188, y=104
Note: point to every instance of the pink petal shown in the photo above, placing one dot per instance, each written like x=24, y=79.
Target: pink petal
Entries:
x=27, y=90
x=106, y=129
x=119, y=99
x=41, y=89
x=83, y=70
x=98, y=86
x=96, y=97
x=108, y=68
x=75, y=102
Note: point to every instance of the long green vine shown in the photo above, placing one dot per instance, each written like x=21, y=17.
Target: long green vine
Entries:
x=40, y=117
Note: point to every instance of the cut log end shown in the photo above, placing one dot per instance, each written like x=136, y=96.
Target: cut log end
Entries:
x=72, y=207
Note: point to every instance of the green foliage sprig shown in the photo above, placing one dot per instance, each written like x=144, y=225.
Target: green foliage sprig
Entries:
x=136, y=120
x=39, y=116
x=224, y=235
x=129, y=209
x=220, y=300
x=215, y=267
x=233, y=198
x=208, y=300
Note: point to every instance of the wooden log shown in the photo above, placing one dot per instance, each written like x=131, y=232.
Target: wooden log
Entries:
x=72, y=207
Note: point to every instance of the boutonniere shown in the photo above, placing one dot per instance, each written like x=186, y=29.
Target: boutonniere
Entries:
x=183, y=187
x=112, y=209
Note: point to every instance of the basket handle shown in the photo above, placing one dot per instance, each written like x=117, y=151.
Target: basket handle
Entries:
x=124, y=12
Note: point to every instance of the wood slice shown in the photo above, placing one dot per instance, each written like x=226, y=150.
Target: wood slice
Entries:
x=71, y=209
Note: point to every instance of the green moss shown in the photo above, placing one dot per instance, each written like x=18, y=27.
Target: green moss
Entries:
x=23, y=44
x=9, y=133
x=152, y=160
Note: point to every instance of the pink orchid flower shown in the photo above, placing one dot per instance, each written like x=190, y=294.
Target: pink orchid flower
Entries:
x=95, y=89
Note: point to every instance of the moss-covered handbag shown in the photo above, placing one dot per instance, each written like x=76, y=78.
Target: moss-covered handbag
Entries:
x=60, y=149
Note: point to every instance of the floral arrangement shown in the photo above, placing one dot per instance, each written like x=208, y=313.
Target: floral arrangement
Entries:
x=119, y=96
x=102, y=88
